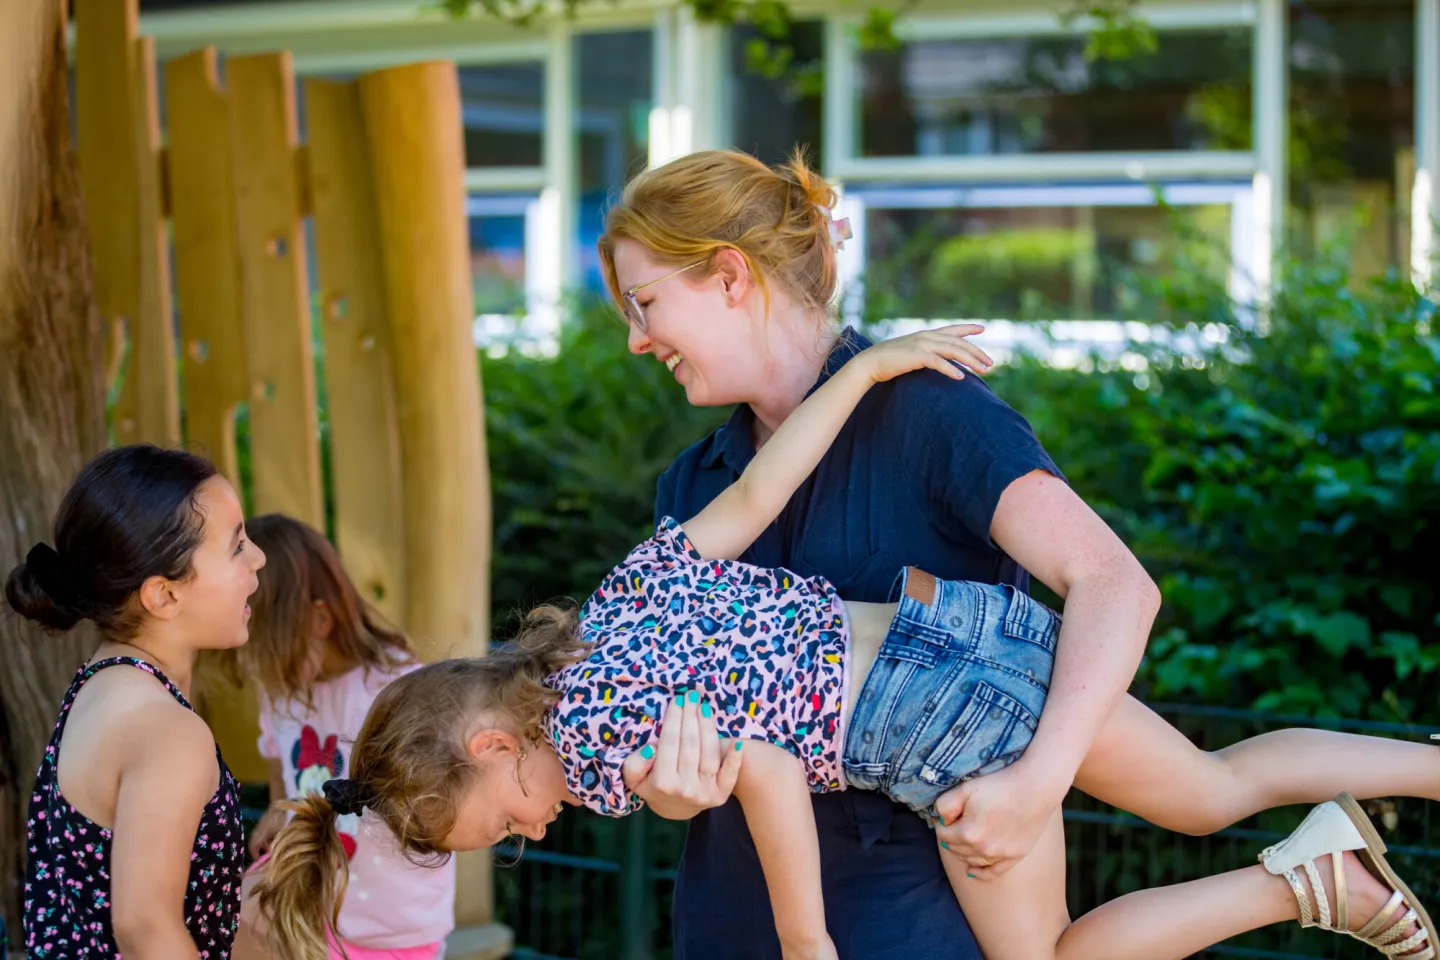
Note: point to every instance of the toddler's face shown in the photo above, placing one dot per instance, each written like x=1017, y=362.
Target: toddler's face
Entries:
x=512, y=796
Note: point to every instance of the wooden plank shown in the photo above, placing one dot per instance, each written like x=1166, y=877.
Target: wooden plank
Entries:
x=359, y=378
x=105, y=32
x=207, y=287
x=153, y=386
x=275, y=297
x=418, y=167
x=117, y=170
x=207, y=265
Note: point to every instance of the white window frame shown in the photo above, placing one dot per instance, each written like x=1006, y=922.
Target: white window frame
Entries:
x=1247, y=180
x=1425, y=192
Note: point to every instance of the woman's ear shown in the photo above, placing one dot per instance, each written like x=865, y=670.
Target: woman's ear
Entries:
x=734, y=273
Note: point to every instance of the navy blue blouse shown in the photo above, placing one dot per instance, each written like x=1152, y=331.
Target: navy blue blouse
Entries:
x=913, y=479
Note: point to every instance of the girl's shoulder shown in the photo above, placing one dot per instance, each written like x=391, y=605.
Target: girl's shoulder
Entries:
x=126, y=718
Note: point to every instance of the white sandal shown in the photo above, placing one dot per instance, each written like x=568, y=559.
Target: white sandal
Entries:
x=1333, y=828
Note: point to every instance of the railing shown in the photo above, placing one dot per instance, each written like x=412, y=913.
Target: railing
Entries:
x=600, y=889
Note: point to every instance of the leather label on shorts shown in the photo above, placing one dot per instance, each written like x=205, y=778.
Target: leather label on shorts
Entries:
x=920, y=586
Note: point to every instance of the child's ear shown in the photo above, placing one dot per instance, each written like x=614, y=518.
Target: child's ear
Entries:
x=493, y=744
x=322, y=621
x=160, y=598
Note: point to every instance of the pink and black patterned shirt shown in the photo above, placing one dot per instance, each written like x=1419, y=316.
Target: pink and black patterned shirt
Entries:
x=765, y=648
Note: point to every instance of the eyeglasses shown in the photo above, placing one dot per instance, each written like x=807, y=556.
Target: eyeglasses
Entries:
x=633, y=312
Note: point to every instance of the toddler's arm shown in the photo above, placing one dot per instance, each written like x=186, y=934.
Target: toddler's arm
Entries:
x=726, y=528
x=776, y=801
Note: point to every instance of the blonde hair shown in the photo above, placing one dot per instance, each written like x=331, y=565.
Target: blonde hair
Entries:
x=301, y=567
x=413, y=765
x=692, y=208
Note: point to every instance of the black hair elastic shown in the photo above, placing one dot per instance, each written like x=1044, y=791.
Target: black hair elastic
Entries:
x=348, y=796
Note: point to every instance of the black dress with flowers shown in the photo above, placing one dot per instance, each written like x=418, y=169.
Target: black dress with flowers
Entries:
x=67, y=877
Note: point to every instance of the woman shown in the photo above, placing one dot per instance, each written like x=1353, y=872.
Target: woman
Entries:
x=715, y=260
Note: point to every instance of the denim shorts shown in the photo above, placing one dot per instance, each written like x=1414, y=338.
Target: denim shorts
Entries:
x=955, y=692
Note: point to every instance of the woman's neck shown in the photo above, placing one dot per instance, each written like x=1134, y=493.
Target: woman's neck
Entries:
x=800, y=346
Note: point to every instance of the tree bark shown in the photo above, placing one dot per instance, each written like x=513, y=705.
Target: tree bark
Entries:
x=52, y=403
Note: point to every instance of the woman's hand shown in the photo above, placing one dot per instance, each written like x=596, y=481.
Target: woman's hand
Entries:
x=935, y=349
x=270, y=823
x=690, y=768
x=994, y=821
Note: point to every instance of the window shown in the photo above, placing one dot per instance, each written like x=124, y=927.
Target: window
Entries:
x=769, y=118
x=614, y=81
x=968, y=96
x=497, y=252
x=503, y=108
x=1352, y=127
x=1035, y=253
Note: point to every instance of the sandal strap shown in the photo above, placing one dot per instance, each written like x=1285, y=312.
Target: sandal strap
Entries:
x=1302, y=897
x=1317, y=889
x=1381, y=920
x=1398, y=930
x=1342, y=894
x=1406, y=945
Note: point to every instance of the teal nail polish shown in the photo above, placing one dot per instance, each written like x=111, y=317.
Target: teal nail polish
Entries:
x=739, y=744
x=942, y=821
x=679, y=699
x=944, y=844
x=705, y=710
x=694, y=696
x=647, y=751
x=970, y=875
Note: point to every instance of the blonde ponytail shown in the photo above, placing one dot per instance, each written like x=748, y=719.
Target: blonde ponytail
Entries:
x=303, y=882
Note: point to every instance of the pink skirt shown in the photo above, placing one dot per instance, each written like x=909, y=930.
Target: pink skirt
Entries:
x=428, y=951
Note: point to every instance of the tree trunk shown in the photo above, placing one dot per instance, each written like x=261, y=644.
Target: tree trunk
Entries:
x=52, y=414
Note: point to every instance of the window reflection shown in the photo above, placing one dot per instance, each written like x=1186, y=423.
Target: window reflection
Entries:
x=614, y=80
x=1030, y=262
x=1008, y=95
x=497, y=253
x=503, y=107
x=1352, y=127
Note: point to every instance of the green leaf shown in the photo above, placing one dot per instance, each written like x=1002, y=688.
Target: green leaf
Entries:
x=877, y=32
x=1338, y=632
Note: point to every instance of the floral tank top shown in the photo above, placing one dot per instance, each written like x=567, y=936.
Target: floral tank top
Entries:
x=66, y=905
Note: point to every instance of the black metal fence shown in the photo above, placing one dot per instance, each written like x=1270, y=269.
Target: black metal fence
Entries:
x=600, y=889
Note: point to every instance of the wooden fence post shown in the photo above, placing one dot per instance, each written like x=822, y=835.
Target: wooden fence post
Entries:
x=359, y=372
x=418, y=166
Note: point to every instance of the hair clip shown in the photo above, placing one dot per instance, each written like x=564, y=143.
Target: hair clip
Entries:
x=840, y=232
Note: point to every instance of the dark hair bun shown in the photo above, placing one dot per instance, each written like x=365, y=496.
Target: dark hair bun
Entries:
x=130, y=514
x=29, y=597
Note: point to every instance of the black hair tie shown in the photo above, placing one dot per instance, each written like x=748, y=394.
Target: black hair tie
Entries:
x=348, y=796
x=54, y=576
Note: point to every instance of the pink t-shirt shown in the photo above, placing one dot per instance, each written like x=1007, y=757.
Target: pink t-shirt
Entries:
x=390, y=903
